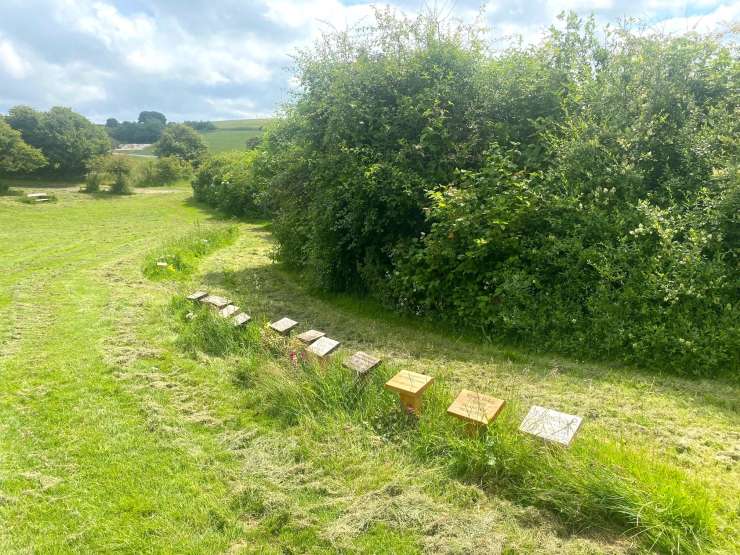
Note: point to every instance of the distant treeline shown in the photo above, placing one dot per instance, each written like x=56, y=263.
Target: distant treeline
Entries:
x=578, y=195
x=146, y=130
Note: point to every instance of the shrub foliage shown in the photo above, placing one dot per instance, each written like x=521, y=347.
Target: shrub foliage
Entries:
x=227, y=181
x=579, y=195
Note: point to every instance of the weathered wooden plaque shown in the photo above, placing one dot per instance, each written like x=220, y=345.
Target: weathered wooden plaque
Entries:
x=198, y=295
x=551, y=425
x=475, y=408
x=228, y=311
x=323, y=347
x=215, y=300
x=37, y=195
x=162, y=264
x=310, y=336
x=409, y=386
x=241, y=319
x=284, y=326
x=361, y=363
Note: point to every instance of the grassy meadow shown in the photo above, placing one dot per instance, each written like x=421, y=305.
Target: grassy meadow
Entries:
x=233, y=134
x=134, y=421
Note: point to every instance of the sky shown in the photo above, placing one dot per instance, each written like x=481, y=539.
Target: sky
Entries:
x=231, y=59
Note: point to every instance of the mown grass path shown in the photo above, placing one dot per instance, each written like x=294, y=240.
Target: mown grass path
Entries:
x=112, y=440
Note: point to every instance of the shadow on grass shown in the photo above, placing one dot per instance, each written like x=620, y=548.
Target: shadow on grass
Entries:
x=362, y=323
x=261, y=225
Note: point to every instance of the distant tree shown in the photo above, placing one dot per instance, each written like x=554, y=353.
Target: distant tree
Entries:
x=112, y=123
x=16, y=156
x=181, y=141
x=146, y=117
x=68, y=140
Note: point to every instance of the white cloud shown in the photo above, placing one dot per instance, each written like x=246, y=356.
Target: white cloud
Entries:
x=11, y=62
x=212, y=59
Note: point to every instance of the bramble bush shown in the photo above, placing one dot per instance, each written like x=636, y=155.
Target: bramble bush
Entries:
x=579, y=195
x=226, y=181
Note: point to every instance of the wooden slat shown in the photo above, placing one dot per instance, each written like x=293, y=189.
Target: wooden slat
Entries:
x=198, y=295
x=475, y=407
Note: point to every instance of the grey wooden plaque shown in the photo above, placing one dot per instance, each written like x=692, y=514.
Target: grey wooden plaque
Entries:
x=241, y=319
x=284, y=325
x=228, y=311
x=323, y=346
x=198, y=295
x=551, y=425
x=361, y=362
x=215, y=300
x=310, y=336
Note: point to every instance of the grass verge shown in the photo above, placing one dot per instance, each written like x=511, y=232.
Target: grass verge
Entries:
x=598, y=484
x=178, y=258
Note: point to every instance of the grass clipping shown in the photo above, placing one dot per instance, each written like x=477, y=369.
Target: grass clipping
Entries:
x=597, y=484
x=178, y=258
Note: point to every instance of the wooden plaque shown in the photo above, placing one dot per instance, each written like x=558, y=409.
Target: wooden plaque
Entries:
x=241, y=319
x=323, y=347
x=551, y=425
x=310, y=336
x=198, y=295
x=215, y=300
x=361, y=363
x=37, y=195
x=284, y=326
x=475, y=407
x=228, y=311
x=410, y=383
x=409, y=386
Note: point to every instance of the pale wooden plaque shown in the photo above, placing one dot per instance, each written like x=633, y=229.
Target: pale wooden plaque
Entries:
x=323, y=346
x=198, y=295
x=409, y=383
x=215, y=300
x=284, y=325
x=310, y=336
x=551, y=425
x=361, y=363
x=241, y=319
x=228, y=311
x=475, y=407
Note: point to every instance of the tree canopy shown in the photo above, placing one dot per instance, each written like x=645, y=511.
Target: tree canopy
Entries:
x=181, y=141
x=67, y=139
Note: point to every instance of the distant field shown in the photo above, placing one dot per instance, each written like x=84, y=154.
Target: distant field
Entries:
x=233, y=134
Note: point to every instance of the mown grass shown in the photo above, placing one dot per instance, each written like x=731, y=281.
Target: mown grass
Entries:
x=178, y=258
x=597, y=484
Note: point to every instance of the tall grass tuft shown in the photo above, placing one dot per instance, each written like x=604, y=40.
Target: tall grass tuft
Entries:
x=178, y=258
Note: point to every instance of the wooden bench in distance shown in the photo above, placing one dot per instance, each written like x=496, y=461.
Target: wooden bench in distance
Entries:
x=241, y=319
x=284, y=326
x=475, y=409
x=323, y=347
x=551, y=425
x=215, y=300
x=361, y=363
x=198, y=295
x=37, y=196
x=409, y=386
x=310, y=336
x=228, y=311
